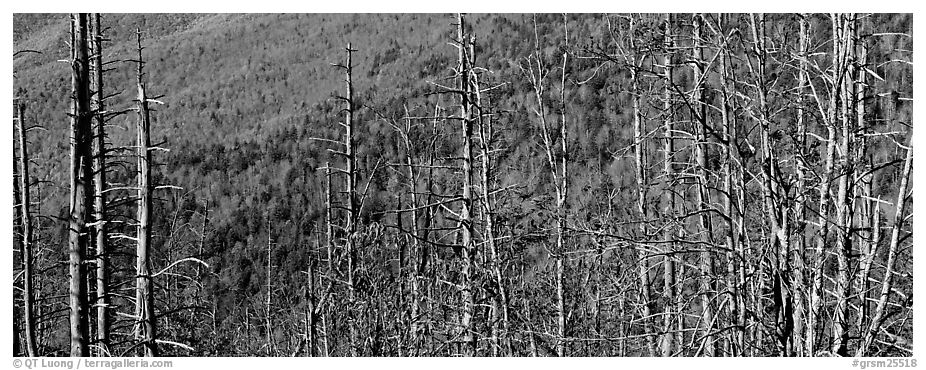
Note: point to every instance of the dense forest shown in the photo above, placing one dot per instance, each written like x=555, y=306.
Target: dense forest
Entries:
x=462, y=185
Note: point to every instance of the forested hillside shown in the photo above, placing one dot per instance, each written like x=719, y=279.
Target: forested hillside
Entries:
x=441, y=185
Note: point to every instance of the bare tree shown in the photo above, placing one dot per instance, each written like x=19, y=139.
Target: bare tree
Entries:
x=268, y=307
x=28, y=243
x=636, y=63
x=886, y=284
x=798, y=276
x=669, y=203
x=99, y=186
x=823, y=232
x=145, y=328
x=702, y=193
x=81, y=194
x=847, y=24
x=465, y=74
x=351, y=226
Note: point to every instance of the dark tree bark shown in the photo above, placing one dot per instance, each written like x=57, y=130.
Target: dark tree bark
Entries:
x=80, y=184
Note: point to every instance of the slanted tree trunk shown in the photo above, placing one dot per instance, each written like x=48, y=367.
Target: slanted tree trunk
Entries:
x=329, y=225
x=18, y=311
x=28, y=252
x=887, y=282
x=329, y=244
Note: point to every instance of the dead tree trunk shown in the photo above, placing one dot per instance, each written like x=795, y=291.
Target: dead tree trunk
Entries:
x=869, y=230
x=669, y=204
x=466, y=336
x=81, y=195
x=819, y=259
x=561, y=197
x=310, y=316
x=886, y=283
x=145, y=329
x=352, y=211
x=557, y=160
x=844, y=203
x=798, y=276
x=500, y=301
x=28, y=252
x=99, y=200
x=351, y=223
x=414, y=309
x=703, y=193
x=734, y=199
x=269, y=302
x=639, y=150
x=329, y=244
x=18, y=349
x=773, y=198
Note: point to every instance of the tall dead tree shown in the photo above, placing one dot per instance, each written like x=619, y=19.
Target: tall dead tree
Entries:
x=269, y=303
x=416, y=236
x=635, y=61
x=897, y=222
x=500, y=302
x=669, y=203
x=639, y=130
x=329, y=246
x=734, y=189
x=774, y=200
x=329, y=226
x=823, y=232
x=145, y=328
x=28, y=245
x=18, y=349
x=561, y=196
x=310, y=314
x=844, y=194
x=353, y=212
x=466, y=336
x=99, y=187
x=798, y=276
x=556, y=156
x=703, y=193
x=80, y=185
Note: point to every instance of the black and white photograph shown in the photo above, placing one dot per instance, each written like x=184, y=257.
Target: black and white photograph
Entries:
x=618, y=185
